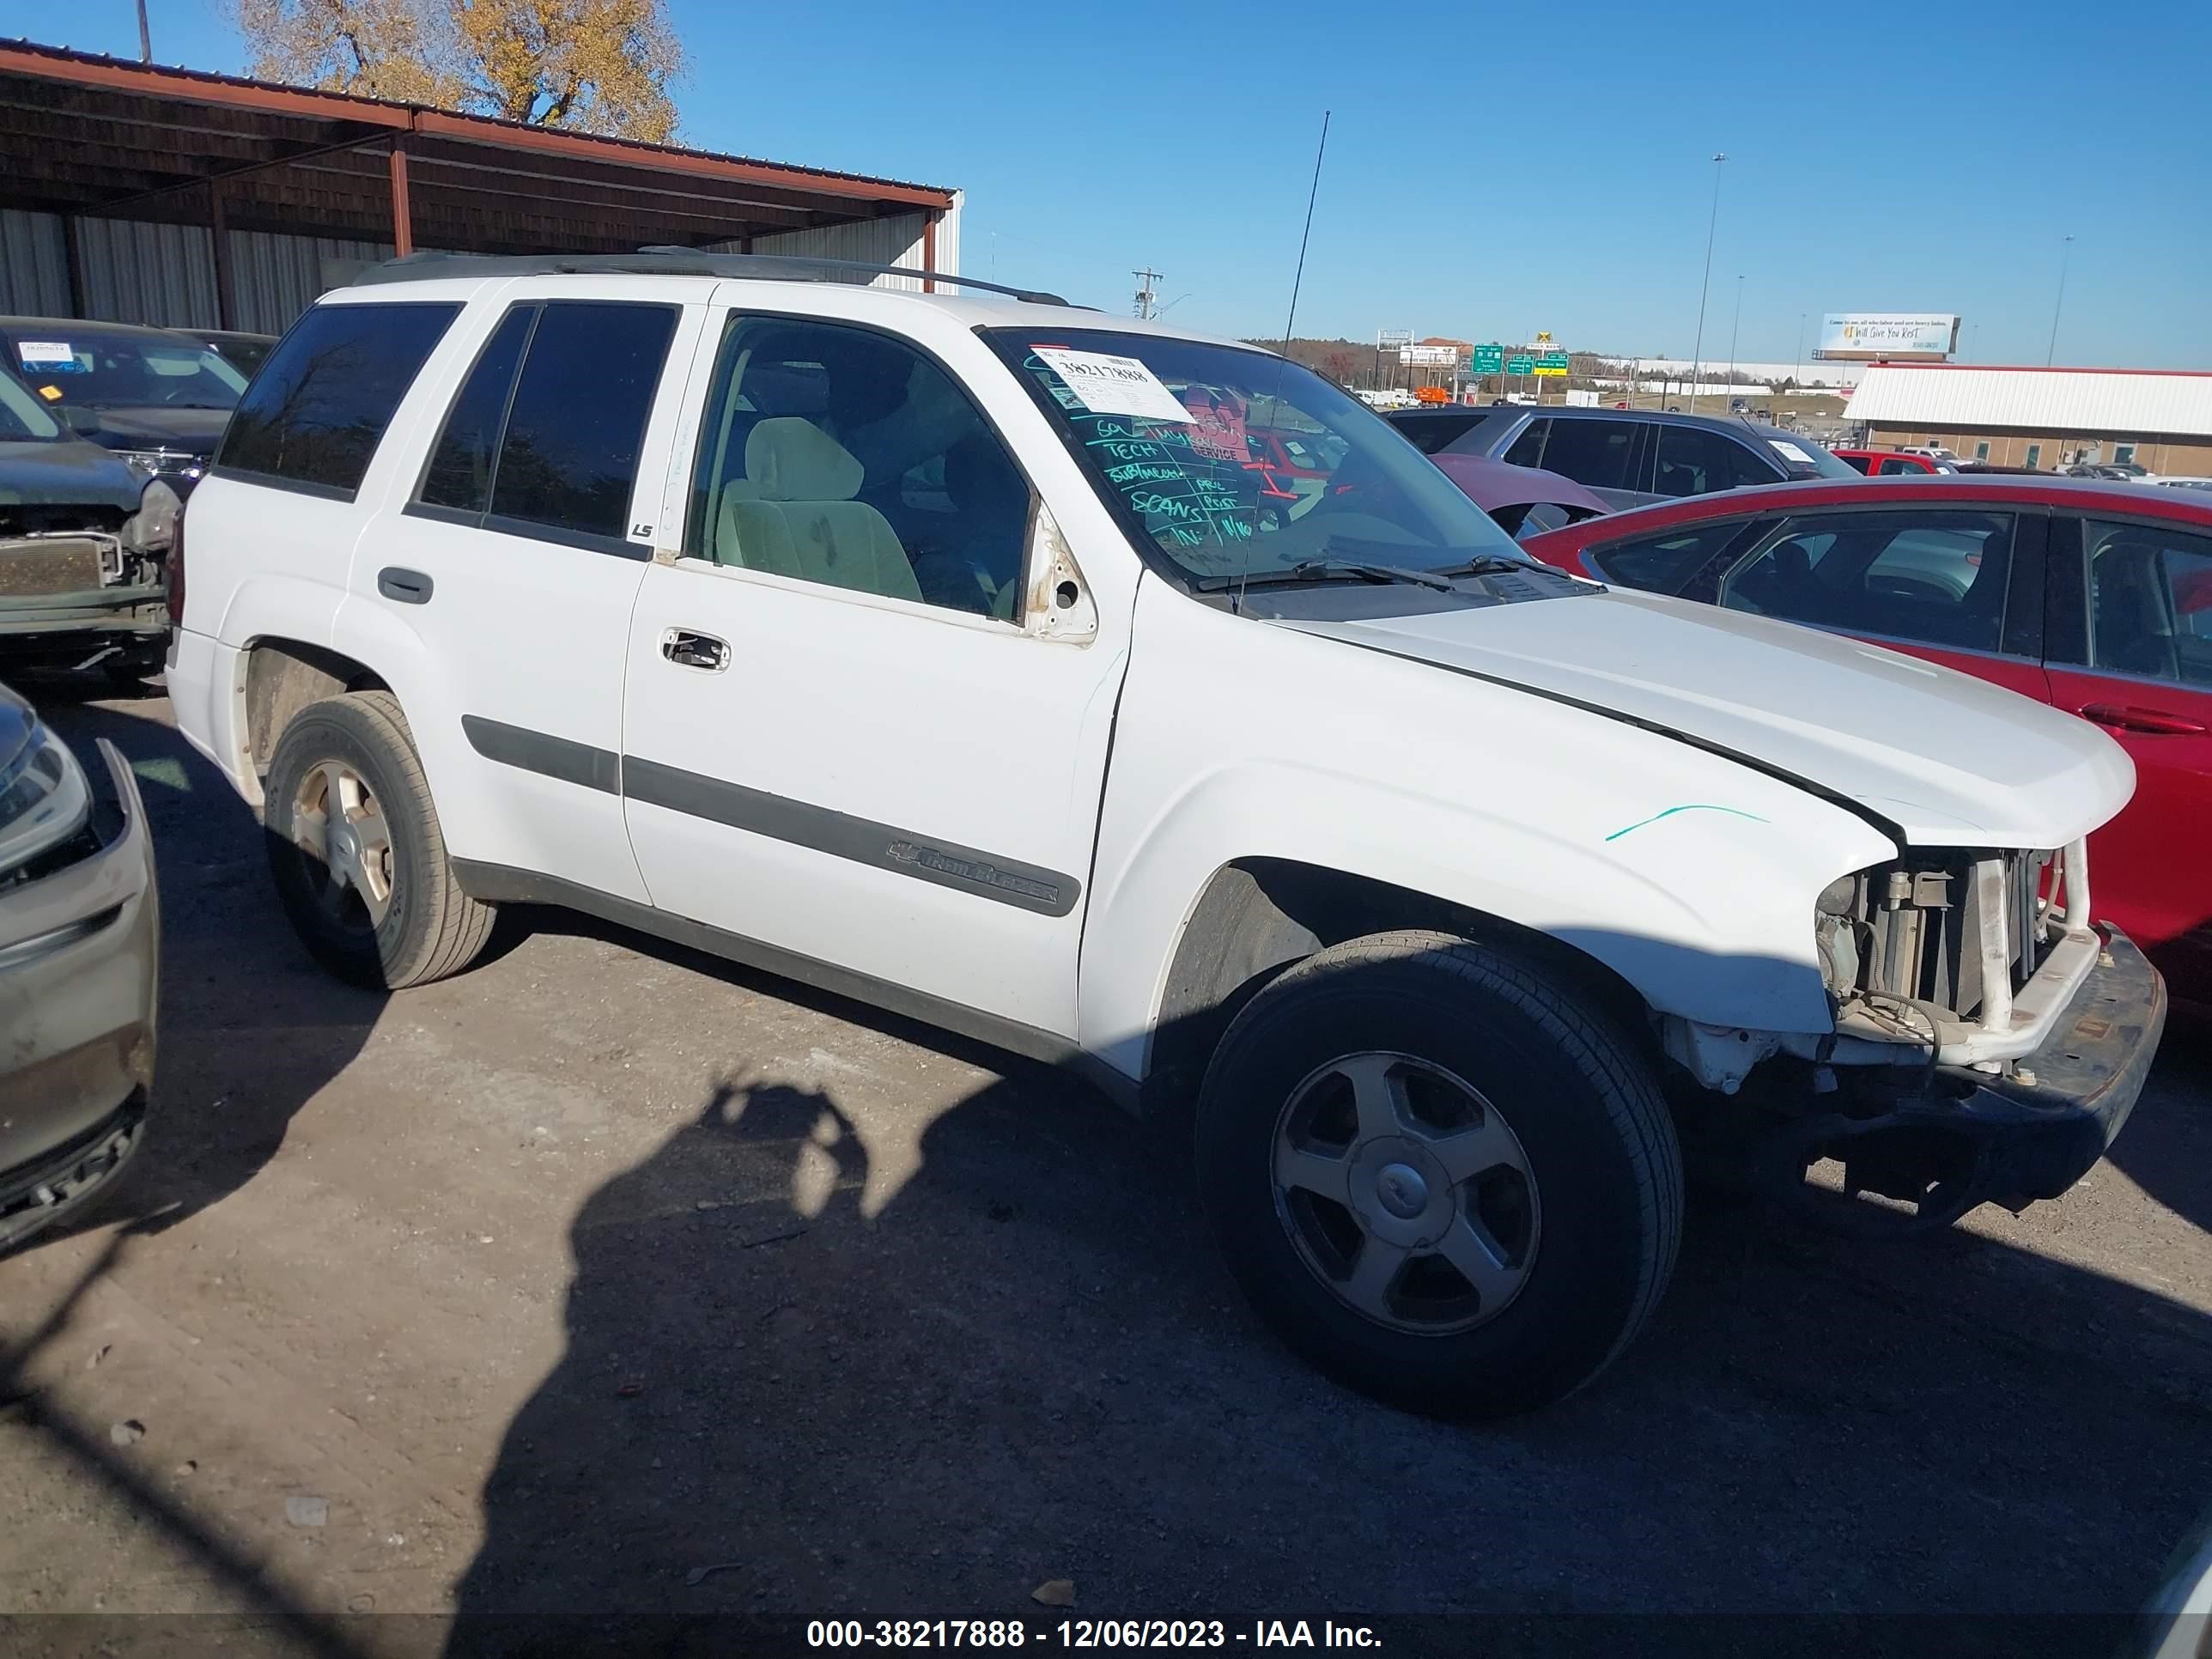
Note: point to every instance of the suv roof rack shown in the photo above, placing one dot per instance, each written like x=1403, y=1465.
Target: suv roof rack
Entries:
x=672, y=262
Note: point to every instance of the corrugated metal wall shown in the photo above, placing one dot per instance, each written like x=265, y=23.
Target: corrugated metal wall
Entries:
x=33, y=265
x=895, y=240
x=135, y=272
x=140, y=273
x=274, y=278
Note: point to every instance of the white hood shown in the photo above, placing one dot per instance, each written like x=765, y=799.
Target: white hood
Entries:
x=1950, y=760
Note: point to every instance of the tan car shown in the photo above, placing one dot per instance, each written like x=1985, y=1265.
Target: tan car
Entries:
x=80, y=944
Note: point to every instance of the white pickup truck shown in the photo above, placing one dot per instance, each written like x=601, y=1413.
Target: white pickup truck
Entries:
x=973, y=657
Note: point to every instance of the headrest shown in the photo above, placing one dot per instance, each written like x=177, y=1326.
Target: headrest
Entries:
x=788, y=460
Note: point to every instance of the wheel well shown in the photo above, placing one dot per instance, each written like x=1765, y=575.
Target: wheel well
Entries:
x=283, y=677
x=1258, y=917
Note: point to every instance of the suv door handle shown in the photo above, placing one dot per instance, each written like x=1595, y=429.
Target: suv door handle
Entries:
x=688, y=650
x=2142, y=720
x=408, y=587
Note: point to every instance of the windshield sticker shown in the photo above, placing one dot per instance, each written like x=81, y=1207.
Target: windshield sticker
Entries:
x=48, y=357
x=52, y=394
x=1790, y=452
x=1106, y=385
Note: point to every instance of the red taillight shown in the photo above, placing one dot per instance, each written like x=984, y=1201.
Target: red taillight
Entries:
x=177, y=568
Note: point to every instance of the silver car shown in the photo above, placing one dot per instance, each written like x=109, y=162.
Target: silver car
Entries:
x=80, y=939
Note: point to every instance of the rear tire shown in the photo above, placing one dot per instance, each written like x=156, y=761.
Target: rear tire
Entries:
x=1439, y=1176
x=356, y=851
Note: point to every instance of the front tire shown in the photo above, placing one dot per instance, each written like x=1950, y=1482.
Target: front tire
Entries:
x=356, y=851
x=1441, y=1178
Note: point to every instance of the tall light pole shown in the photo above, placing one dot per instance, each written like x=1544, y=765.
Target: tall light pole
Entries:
x=1797, y=363
x=145, y=39
x=1698, y=351
x=2065, y=252
x=1733, y=327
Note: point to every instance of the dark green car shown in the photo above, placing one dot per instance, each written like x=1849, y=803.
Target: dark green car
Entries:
x=84, y=549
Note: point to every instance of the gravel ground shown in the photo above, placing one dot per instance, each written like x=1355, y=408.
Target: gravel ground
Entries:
x=549, y=1287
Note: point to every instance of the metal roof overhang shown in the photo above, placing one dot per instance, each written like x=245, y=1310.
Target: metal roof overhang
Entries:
x=107, y=138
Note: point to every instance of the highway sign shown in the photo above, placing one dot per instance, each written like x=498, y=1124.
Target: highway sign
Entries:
x=1487, y=359
x=1552, y=362
x=1520, y=365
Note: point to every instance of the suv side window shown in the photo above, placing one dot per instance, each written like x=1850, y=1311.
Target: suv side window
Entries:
x=2150, y=602
x=1892, y=466
x=835, y=454
x=1529, y=446
x=312, y=418
x=1693, y=461
x=1599, y=454
x=1431, y=433
x=1662, y=563
x=459, y=475
x=543, y=438
x=1937, y=577
x=568, y=455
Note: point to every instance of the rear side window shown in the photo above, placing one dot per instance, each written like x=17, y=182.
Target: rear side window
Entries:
x=1662, y=563
x=568, y=458
x=314, y=414
x=2150, y=602
x=1693, y=461
x=1431, y=433
x=1599, y=454
x=1529, y=447
x=459, y=473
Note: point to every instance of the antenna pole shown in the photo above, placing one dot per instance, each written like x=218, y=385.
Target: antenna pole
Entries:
x=1148, y=291
x=1306, y=235
x=1298, y=280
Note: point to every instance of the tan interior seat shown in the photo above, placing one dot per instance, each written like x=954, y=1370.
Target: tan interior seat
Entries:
x=795, y=515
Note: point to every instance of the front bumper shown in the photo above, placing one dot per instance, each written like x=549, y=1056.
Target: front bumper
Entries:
x=1950, y=1138
x=57, y=627
x=2047, y=1133
x=80, y=980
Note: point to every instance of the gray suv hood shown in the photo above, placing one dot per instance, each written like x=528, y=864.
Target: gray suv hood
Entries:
x=65, y=473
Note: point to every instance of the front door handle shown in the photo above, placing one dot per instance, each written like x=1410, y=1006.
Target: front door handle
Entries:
x=688, y=650
x=2130, y=719
x=408, y=587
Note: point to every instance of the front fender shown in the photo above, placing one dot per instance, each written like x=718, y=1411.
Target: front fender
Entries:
x=1691, y=876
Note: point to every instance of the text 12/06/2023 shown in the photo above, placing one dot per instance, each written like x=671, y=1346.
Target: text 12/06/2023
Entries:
x=1082, y=1633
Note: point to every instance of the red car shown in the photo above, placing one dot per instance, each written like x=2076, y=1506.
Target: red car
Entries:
x=1888, y=463
x=2094, y=597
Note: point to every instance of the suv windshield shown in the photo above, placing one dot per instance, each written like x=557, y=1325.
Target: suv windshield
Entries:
x=1237, y=462
x=95, y=368
x=21, y=417
x=1803, y=458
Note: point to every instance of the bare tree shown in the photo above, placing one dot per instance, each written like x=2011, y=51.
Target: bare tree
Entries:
x=600, y=66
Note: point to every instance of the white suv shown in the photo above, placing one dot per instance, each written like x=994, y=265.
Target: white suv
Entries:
x=990, y=662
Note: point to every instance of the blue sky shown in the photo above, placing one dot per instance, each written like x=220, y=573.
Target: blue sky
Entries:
x=1492, y=171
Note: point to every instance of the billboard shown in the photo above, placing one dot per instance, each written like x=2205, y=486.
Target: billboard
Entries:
x=1386, y=338
x=1426, y=356
x=1906, y=337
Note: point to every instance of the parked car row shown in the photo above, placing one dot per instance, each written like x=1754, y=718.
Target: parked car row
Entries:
x=1627, y=457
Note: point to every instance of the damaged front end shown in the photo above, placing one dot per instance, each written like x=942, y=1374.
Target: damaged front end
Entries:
x=1988, y=1043
x=87, y=585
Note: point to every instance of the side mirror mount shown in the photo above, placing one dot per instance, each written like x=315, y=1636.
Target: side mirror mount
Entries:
x=1058, y=605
